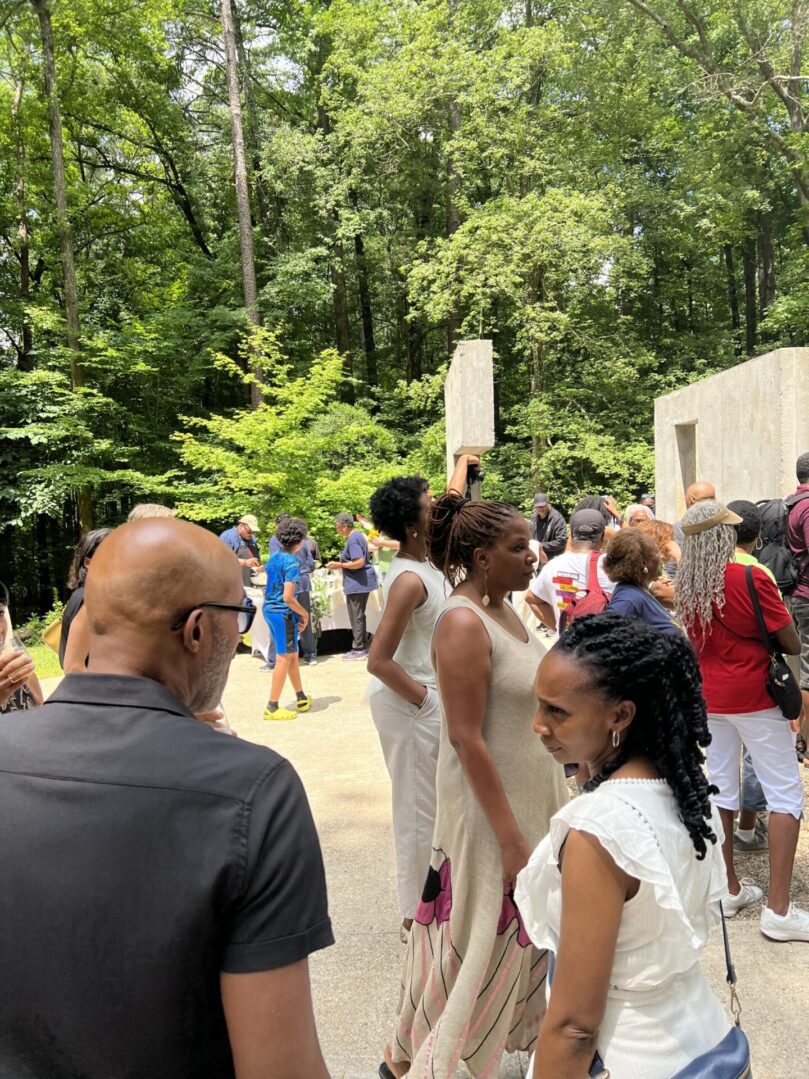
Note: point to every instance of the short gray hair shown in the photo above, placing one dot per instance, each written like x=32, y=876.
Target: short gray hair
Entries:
x=700, y=586
x=345, y=520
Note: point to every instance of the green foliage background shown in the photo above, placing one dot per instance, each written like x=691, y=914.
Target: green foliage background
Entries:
x=555, y=176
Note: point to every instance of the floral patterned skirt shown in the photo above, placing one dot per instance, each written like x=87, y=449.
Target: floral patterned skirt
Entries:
x=473, y=984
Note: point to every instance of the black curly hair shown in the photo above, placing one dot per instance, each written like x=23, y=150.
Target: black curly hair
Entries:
x=631, y=661
x=396, y=505
x=457, y=527
x=290, y=531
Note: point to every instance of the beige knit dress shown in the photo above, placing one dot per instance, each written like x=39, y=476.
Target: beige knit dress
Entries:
x=473, y=984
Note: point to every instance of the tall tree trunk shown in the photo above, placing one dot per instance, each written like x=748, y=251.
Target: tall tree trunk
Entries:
x=69, y=284
x=26, y=359
x=240, y=179
x=766, y=269
x=258, y=189
x=536, y=386
x=342, y=328
x=733, y=297
x=750, y=298
x=415, y=342
x=453, y=215
x=366, y=314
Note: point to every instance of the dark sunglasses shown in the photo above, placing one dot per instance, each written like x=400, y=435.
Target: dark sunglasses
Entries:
x=247, y=612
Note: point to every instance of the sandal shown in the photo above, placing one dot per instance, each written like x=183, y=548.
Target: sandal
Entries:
x=385, y=1072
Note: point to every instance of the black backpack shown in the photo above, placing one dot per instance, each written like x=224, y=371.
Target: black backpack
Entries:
x=775, y=553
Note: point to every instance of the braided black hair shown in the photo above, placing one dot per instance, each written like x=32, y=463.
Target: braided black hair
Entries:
x=457, y=526
x=631, y=661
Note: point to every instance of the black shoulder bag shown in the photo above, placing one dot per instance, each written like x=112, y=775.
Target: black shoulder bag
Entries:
x=781, y=683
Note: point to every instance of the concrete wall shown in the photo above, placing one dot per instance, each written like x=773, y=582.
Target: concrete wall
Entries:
x=469, y=401
x=741, y=430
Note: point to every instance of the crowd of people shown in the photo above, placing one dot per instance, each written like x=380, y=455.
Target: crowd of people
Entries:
x=627, y=738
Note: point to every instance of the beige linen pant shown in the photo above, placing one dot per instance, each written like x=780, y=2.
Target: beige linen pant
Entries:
x=409, y=738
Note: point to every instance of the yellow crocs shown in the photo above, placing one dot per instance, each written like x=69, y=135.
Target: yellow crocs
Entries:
x=303, y=704
x=279, y=713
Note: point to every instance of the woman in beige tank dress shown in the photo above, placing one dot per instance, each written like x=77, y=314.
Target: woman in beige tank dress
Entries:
x=472, y=984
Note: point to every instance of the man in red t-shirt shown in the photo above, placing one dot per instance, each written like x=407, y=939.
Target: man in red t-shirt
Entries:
x=717, y=610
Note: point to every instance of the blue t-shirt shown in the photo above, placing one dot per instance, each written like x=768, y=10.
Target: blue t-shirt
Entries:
x=634, y=602
x=357, y=580
x=281, y=567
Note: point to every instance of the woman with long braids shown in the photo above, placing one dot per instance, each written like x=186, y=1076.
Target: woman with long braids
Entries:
x=716, y=608
x=472, y=983
x=625, y=886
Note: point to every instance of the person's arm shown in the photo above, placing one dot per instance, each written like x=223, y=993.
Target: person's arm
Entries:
x=540, y=597
x=356, y=545
x=271, y=1024
x=463, y=664
x=457, y=481
x=16, y=669
x=379, y=543
x=542, y=610
x=777, y=618
x=292, y=603
x=568, y=1037
x=406, y=594
x=78, y=644
x=268, y=931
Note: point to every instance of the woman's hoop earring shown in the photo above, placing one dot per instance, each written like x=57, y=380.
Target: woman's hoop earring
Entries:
x=486, y=600
x=616, y=738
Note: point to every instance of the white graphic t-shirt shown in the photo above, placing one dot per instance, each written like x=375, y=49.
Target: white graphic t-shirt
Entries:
x=564, y=578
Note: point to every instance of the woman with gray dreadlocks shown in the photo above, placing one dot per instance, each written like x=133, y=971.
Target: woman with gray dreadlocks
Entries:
x=715, y=605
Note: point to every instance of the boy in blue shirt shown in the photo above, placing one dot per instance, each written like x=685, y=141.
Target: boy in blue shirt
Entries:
x=286, y=618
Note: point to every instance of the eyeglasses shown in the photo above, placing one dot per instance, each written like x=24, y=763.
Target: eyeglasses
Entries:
x=247, y=612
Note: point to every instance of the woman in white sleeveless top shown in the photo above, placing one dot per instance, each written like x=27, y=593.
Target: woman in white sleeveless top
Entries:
x=403, y=695
x=626, y=885
x=472, y=983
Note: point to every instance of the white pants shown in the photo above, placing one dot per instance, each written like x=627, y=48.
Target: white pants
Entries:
x=409, y=737
x=771, y=744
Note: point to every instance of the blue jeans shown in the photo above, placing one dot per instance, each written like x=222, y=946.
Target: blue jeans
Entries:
x=752, y=794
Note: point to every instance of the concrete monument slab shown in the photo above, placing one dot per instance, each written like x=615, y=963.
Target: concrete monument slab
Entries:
x=741, y=429
x=469, y=401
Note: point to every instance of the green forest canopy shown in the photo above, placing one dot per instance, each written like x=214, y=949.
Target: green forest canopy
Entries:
x=617, y=193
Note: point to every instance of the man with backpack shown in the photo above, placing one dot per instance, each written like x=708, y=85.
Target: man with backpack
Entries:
x=797, y=535
x=574, y=577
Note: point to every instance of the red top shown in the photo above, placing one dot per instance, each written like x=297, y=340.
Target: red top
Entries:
x=732, y=657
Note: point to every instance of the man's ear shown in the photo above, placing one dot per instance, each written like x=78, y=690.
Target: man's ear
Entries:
x=192, y=631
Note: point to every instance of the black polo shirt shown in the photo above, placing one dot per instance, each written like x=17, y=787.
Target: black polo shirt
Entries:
x=141, y=853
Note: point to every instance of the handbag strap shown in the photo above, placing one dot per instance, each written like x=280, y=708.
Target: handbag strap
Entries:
x=762, y=628
x=735, y=1005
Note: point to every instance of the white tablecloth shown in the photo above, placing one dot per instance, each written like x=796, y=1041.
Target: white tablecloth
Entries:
x=337, y=618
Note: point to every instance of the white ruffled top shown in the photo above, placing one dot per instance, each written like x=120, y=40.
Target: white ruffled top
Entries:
x=665, y=926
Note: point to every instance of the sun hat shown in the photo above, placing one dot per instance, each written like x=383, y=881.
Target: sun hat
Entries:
x=723, y=516
x=250, y=521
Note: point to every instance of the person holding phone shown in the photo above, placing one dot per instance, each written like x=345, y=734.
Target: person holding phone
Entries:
x=19, y=685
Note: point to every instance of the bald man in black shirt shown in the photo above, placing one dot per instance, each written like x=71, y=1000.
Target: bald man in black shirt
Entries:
x=161, y=886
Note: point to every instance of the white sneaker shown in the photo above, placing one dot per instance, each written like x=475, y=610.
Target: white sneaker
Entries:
x=749, y=895
x=794, y=925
